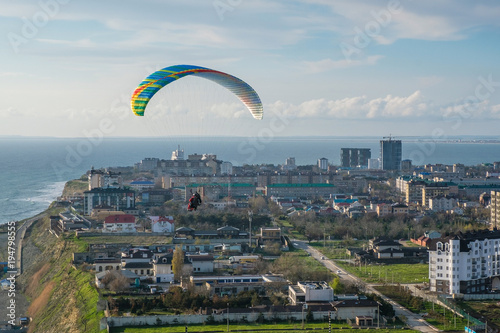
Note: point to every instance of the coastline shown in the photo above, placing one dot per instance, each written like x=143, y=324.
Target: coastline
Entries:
x=29, y=253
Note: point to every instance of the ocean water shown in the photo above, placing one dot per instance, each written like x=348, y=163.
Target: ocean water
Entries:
x=33, y=170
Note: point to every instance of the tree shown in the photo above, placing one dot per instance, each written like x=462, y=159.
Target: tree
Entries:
x=115, y=281
x=257, y=205
x=178, y=262
x=309, y=315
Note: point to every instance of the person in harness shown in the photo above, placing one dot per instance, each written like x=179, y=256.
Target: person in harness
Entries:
x=194, y=201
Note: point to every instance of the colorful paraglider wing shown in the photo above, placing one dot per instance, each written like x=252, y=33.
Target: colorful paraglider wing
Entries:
x=159, y=79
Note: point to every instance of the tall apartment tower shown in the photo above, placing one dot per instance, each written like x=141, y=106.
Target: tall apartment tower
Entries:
x=495, y=209
x=323, y=163
x=353, y=157
x=391, y=154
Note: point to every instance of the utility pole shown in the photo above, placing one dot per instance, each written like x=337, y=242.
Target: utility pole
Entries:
x=378, y=315
x=228, y=317
x=304, y=306
x=250, y=214
x=329, y=322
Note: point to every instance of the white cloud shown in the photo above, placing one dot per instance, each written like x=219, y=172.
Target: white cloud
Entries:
x=401, y=108
x=359, y=107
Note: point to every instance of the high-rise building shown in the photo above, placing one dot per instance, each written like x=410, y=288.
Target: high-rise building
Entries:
x=289, y=164
x=323, y=163
x=391, y=154
x=354, y=157
x=226, y=168
x=178, y=154
x=495, y=209
x=406, y=165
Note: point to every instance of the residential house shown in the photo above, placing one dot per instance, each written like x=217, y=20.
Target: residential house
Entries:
x=385, y=248
x=310, y=291
x=350, y=309
x=399, y=208
x=202, y=264
x=119, y=223
x=162, y=224
x=138, y=261
x=163, y=267
x=107, y=264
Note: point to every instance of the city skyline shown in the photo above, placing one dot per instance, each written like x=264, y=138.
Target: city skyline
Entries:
x=321, y=68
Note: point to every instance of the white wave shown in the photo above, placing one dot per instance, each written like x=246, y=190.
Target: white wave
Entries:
x=49, y=193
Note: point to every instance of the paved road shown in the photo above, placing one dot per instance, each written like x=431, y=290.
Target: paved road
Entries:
x=21, y=231
x=413, y=320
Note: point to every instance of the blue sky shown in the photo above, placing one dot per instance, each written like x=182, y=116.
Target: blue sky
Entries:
x=321, y=67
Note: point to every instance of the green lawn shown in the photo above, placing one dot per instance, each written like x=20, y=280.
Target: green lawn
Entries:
x=294, y=327
x=336, y=249
x=396, y=273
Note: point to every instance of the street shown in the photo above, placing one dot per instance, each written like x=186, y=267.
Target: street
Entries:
x=412, y=319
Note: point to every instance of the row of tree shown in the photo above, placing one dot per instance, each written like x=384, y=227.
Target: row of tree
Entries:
x=178, y=300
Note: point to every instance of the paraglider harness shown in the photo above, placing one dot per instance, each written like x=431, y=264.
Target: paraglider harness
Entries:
x=194, y=201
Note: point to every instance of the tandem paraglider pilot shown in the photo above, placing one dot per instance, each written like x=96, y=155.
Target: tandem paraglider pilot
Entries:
x=194, y=201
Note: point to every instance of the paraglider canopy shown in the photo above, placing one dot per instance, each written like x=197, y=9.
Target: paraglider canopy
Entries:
x=159, y=79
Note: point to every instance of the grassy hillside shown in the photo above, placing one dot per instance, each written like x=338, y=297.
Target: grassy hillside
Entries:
x=63, y=298
x=75, y=187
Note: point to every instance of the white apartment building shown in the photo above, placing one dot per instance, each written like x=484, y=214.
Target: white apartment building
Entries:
x=442, y=203
x=495, y=209
x=465, y=263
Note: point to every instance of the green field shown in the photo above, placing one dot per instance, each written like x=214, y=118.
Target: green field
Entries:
x=372, y=273
x=295, y=327
x=394, y=274
x=336, y=249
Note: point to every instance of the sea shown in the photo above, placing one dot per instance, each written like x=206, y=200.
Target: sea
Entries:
x=33, y=171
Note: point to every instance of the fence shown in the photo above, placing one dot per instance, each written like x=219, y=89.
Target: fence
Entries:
x=200, y=319
x=474, y=322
